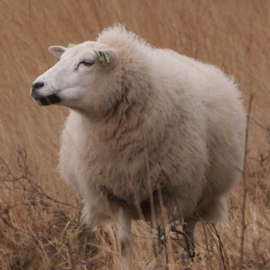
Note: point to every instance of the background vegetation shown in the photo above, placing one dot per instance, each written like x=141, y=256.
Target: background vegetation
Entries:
x=40, y=225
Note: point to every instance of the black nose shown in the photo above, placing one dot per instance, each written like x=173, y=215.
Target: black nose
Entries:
x=37, y=85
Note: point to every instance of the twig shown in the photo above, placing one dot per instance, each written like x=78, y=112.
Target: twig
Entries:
x=70, y=253
x=12, y=178
x=173, y=229
x=221, y=249
x=151, y=198
x=164, y=223
x=207, y=242
x=172, y=190
x=244, y=186
x=153, y=219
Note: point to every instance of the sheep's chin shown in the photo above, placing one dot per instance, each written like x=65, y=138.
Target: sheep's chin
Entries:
x=49, y=100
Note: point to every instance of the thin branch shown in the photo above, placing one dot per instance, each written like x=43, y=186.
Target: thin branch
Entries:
x=245, y=188
x=70, y=253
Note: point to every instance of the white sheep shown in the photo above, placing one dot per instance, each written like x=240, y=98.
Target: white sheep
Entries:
x=143, y=118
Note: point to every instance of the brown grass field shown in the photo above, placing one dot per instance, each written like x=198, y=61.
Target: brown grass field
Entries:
x=40, y=226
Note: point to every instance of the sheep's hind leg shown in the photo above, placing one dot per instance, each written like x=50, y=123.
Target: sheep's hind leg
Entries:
x=188, y=235
x=188, y=228
x=124, y=238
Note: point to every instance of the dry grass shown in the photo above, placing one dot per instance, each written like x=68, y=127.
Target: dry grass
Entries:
x=40, y=225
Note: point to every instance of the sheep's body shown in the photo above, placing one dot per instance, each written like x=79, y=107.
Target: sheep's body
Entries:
x=185, y=113
x=182, y=116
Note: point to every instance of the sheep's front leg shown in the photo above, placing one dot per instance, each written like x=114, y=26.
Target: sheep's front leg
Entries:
x=124, y=238
x=157, y=239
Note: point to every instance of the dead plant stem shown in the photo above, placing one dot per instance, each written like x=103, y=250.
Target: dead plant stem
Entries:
x=244, y=187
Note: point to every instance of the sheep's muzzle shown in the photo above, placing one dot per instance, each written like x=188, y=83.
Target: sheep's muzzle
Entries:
x=51, y=99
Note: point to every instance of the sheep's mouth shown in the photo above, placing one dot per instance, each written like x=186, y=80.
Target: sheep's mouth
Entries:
x=51, y=99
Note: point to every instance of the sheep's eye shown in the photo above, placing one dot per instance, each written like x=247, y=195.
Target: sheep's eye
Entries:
x=88, y=63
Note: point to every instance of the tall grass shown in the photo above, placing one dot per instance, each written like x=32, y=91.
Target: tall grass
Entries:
x=40, y=226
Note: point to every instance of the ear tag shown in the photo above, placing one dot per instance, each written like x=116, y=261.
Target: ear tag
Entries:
x=71, y=45
x=106, y=56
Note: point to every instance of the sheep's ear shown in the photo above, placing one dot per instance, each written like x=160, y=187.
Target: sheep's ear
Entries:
x=104, y=57
x=57, y=50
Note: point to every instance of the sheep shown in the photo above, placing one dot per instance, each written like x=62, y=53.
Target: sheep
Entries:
x=144, y=120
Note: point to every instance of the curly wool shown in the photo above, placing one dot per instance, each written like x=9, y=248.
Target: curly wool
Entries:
x=183, y=117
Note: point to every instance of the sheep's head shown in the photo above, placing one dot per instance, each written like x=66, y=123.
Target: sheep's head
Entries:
x=75, y=80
